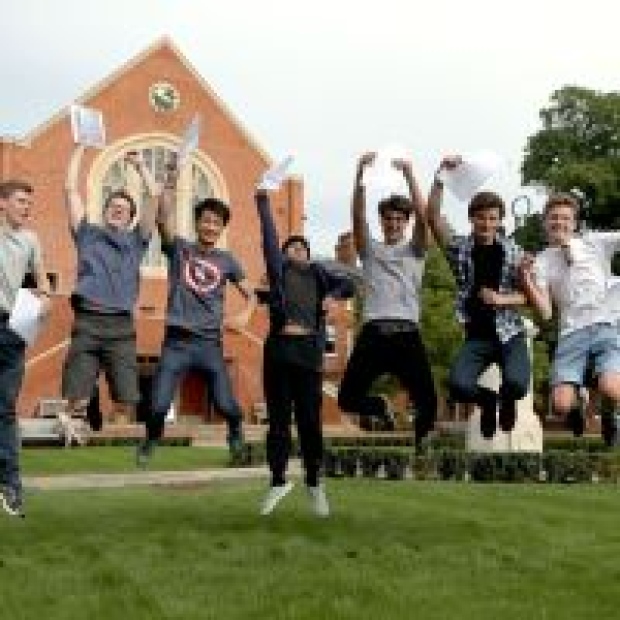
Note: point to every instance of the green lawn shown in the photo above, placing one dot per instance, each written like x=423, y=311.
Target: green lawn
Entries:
x=112, y=459
x=391, y=550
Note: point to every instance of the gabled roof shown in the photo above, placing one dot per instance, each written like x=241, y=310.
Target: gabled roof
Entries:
x=162, y=42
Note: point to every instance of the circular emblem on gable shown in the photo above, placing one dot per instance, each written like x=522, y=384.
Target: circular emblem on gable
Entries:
x=164, y=97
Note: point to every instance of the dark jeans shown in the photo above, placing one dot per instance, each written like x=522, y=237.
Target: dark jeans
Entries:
x=182, y=352
x=12, y=366
x=476, y=356
x=402, y=354
x=288, y=387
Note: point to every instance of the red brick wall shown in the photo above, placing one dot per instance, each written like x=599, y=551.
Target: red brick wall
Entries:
x=123, y=99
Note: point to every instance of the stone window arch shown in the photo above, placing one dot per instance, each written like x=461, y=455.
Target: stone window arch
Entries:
x=199, y=179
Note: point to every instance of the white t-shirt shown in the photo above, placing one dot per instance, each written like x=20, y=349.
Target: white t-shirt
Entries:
x=392, y=280
x=20, y=253
x=579, y=289
x=613, y=298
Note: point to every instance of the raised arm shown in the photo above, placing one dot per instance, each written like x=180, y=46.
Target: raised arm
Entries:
x=73, y=201
x=269, y=236
x=148, y=212
x=420, y=234
x=438, y=225
x=358, y=206
x=167, y=199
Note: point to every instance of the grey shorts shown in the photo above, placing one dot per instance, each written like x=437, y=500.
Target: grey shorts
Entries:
x=102, y=343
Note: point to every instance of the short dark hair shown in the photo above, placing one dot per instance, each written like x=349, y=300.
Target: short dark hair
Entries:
x=8, y=188
x=395, y=202
x=296, y=239
x=121, y=193
x=214, y=205
x=486, y=201
x=561, y=199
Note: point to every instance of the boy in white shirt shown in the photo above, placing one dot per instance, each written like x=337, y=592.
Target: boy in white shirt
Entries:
x=574, y=273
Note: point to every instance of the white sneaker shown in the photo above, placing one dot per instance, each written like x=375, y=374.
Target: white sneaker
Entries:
x=318, y=500
x=274, y=496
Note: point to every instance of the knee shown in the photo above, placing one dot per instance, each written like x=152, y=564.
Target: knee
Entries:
x=609, y=386
x=563, y=401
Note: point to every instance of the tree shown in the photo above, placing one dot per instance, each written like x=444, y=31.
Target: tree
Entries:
x=441, y=332
x=578, y=147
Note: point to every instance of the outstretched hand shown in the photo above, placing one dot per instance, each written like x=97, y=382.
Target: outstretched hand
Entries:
x=135, y=159
x=402, y=165
x=450, y=162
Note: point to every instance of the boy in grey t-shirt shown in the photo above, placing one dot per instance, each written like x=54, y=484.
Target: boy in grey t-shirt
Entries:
x=197, y=276
x=390, y=342
x=20, y=254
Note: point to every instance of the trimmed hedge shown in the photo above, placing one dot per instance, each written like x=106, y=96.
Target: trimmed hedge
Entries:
x=552, y=466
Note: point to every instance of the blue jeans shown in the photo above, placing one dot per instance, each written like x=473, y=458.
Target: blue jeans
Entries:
x=476, y=355
x=182, y=352
x=12, y=366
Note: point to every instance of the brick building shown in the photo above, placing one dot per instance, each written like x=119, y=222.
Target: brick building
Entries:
x=147, y=104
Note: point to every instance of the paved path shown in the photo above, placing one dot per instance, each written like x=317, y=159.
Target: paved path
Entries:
x=147, y=478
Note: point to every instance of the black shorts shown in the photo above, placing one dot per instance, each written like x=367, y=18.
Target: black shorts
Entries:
x=102, y=342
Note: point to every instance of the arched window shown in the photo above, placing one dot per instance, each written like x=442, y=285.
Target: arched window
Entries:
x=194, y=185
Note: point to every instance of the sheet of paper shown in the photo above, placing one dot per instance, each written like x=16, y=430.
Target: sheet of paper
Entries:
x=25, y=319
x=465, y=180
x=275, y=176
x=190, y=141
x=87, y=126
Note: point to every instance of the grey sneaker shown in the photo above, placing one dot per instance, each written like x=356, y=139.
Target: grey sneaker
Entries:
x=144, y=452
x=318, y=500
x=274, y=496
x=12, y=502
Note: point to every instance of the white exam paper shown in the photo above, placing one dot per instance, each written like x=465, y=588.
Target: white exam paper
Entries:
x=275, y=176
x=87, y=126
x=25, y=319
x=190, y=141
x=467, y=178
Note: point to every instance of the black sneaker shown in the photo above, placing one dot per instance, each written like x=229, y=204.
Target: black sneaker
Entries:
x=144, y=452
x=94, y=417
x=575, y=421
x=488, y=416
x=507, y=415
x=12, y=502
x=423, y=426
x=609, y=429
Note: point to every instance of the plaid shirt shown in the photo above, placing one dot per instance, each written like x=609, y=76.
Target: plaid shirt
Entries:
x=508, y=322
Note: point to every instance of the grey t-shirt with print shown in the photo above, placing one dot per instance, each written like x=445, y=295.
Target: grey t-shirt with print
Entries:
x=392, y=280
x=196, y=283
x=20, y=253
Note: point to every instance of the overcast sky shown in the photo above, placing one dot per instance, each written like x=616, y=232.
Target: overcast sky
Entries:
x=325, y=80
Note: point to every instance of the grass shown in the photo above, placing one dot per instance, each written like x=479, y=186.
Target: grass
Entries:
x=391, y=550
x=115, y=459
